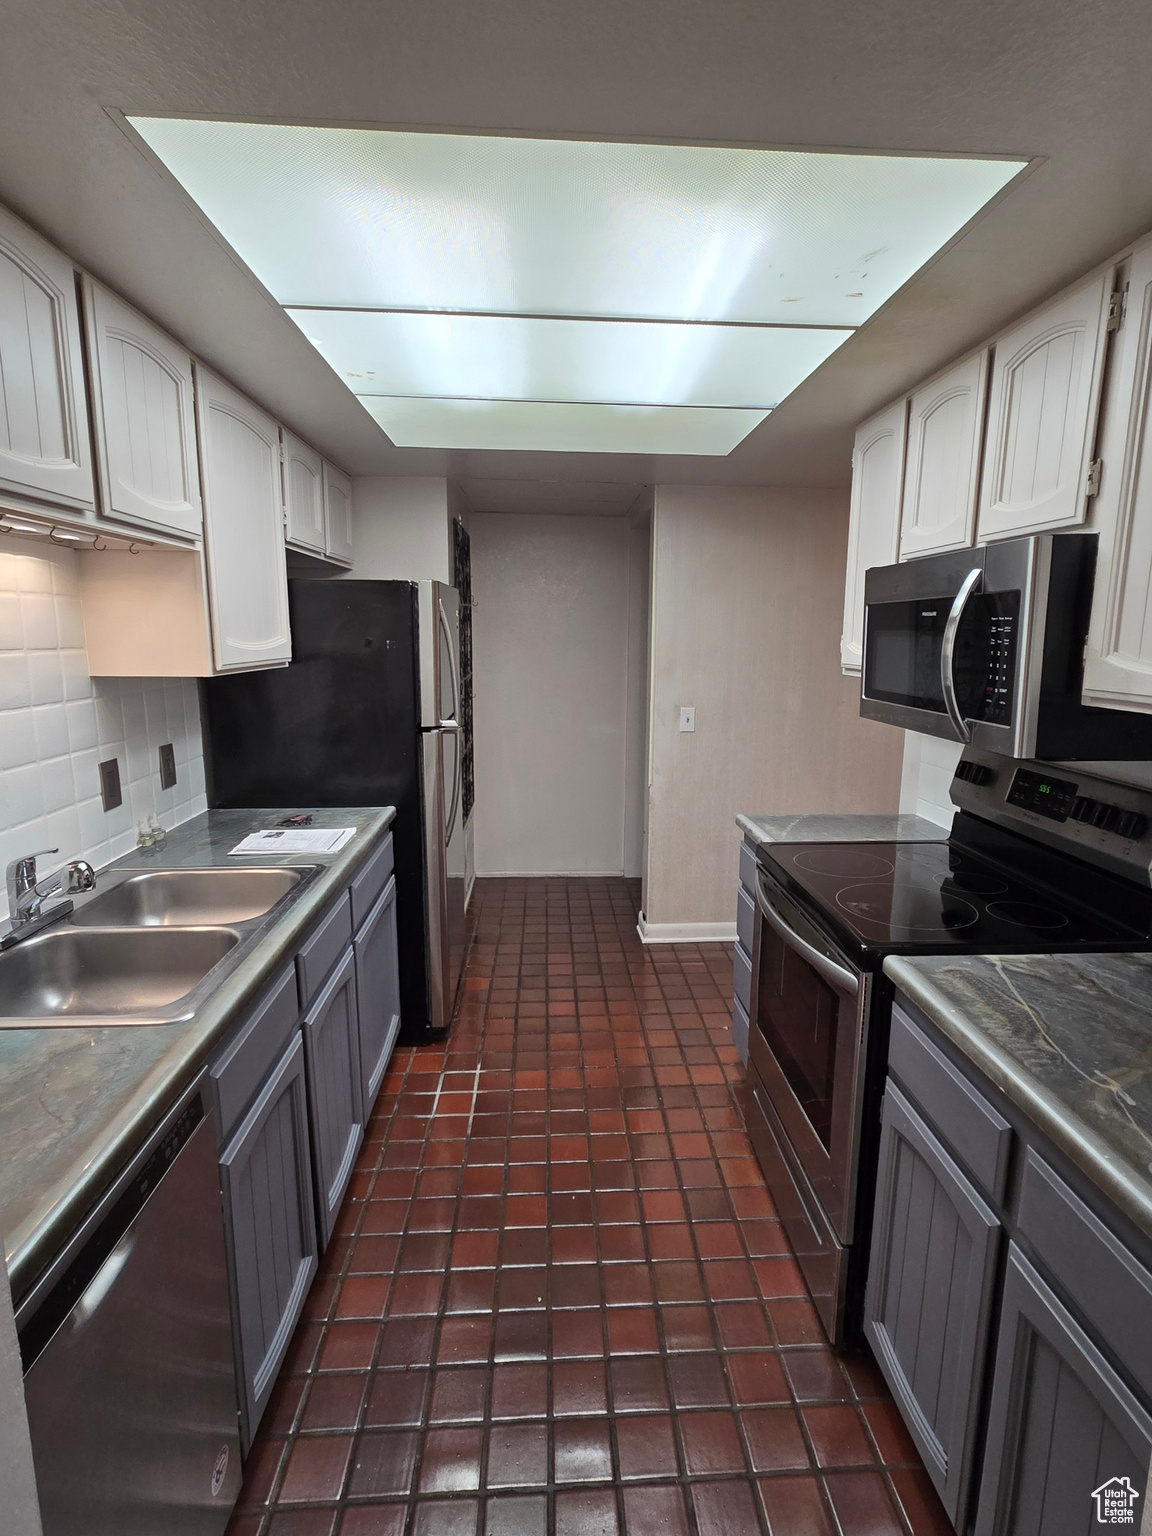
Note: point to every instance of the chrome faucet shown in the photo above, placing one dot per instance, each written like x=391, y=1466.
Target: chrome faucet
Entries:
x=27, y=913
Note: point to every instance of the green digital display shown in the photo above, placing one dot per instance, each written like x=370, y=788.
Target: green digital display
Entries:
x=1044, y=789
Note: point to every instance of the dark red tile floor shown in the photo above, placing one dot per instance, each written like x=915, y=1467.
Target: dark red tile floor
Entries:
x=558, y=1299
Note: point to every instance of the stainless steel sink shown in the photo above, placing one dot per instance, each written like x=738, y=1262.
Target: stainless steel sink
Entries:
x=86, y=976
x=179, y=898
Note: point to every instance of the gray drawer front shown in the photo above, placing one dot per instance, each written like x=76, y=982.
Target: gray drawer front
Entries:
x=239, y=1071
x=371, y=880
x=1111, y=1290
x=747, y=866
x=740, y=1031
x=323, y=947
x=745, y=919
x=742, y=979
x=980, y=1137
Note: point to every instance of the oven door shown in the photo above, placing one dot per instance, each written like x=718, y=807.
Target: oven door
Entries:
x=807, y=1041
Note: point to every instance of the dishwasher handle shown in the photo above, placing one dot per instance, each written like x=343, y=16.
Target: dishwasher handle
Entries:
x=102, y=1283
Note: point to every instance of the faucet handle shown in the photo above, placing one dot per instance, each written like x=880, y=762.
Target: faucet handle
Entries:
x=25, y=863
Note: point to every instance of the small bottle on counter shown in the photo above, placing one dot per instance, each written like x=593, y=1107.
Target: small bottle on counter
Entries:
x=157, y=831
x=144, y=838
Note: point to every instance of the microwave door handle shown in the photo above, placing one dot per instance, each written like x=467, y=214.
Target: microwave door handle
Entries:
x=968, y=586
x=837, y=976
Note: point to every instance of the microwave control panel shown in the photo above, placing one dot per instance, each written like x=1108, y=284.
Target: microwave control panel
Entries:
x=985, y=665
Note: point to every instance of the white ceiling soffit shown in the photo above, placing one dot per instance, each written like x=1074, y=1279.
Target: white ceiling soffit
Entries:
x=482, y=292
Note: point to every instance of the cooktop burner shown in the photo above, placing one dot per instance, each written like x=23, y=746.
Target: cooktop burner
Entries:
x=905, y=908
x=937, y=897
x=844, y=859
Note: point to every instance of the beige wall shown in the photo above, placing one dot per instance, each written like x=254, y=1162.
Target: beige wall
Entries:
x=558, y=790
x=747, y=592
x=400, y=528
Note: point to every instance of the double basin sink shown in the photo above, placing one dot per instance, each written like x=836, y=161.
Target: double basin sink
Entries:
x=145, y=951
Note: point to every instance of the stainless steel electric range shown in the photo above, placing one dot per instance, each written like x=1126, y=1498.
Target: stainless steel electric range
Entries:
x=1038, y=860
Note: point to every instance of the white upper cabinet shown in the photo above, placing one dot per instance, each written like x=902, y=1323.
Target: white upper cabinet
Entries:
x=874, y=519
x=143, y=418
x=303, y=495
x=243, y=527
x=942, y=472
x=337, y=515
x=1044, y=398
x=44, y=451
x=1118, y=659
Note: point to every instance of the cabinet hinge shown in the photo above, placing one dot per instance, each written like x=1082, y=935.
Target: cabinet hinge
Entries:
x=1117, y=303
x=1095, y=469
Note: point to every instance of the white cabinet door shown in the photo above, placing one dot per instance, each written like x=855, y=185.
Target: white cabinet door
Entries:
x=874, y=519
x=337, y=514
x=243, y=527
x=303, y=495
x=44, y=452
x=942, y=472
x=143, y=418
x=1118, y=659
x=1044, y=398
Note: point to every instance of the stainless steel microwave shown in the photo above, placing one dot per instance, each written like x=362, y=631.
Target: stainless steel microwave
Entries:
x=986, y=646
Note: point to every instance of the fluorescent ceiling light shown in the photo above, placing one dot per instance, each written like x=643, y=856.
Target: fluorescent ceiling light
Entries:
x=431, y=423
x=625, y=362
x=529, y=237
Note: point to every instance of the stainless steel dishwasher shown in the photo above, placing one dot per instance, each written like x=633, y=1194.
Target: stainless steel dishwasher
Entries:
x=127, y=1348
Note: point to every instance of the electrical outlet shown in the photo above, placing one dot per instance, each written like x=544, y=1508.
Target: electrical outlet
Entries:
x=167, y=765
x=687, y=717
x=110, y=784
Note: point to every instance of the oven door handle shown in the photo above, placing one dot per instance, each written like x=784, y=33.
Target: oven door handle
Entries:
x=968, y=586
x=837, y=976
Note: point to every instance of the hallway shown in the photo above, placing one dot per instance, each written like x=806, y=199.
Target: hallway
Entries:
x=558, y=1299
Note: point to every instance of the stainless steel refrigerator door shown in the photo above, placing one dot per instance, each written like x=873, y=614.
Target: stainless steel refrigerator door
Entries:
x=132, y=1404
x=439, y=655
x=444, y=868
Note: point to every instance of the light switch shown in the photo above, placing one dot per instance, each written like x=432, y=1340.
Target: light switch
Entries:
x=687, y=717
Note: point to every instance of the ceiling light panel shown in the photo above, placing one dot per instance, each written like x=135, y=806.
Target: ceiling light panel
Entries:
x=547, y=427
x=605, y=361
x=366, y=217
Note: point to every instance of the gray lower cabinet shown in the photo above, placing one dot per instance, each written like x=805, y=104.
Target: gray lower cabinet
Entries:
x=270, y=1214
x=931, y=1284
x=335, y=1096
x=377, y=992
x=1062, y=1425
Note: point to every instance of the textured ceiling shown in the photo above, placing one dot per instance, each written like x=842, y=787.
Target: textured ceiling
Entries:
x=1061, y=81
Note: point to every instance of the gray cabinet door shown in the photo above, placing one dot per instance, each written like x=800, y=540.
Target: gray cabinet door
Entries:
x=269, y=1209
x=1062, y=1426
x=377, y=992
x=929, y=1298
x=332, y=1047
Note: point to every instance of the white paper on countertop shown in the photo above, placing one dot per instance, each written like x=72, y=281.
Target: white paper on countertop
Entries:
x=280, y=840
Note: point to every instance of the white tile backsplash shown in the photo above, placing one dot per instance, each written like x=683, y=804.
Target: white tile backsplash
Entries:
x=57, y=724
x=929, y=765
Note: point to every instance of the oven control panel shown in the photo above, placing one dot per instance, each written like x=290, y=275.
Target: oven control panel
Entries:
x=1041, y=793
x=1103, y=822
x=1061, y=800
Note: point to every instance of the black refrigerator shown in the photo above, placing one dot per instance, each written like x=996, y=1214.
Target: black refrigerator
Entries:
x=367, y=713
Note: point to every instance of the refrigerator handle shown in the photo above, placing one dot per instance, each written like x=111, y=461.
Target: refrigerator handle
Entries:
x=457, y=785
x=453, y=721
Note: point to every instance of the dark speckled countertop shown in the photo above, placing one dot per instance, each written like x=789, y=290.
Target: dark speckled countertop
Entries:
x=75, y=1101
x=1068, y=1038
x=817, y=828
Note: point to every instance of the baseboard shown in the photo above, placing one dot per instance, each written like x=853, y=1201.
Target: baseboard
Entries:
x=551, y=874
x=685, y=933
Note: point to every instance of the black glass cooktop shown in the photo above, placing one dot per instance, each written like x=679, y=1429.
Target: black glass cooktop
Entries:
x=939, y=897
